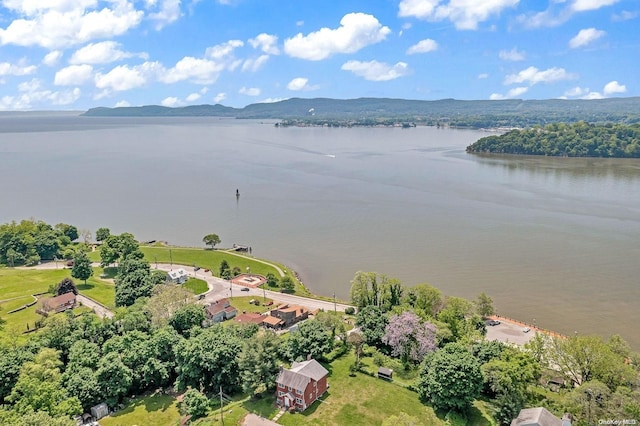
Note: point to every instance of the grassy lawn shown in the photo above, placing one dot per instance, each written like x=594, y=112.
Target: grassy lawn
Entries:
x=238, y=409
x=242, y=304
x=99, y=290
x=157, y=410
x=196, y=286
x=360, y=400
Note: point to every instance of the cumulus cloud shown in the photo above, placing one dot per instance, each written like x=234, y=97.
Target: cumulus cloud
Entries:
x=99, y=53
x=165, y=12
x=513, y=93
x=376, y=71
x=223, y=50
x=73, y=75
x=7, y=68
x=122, y=104
x=423, y=46
x=465, y=14
x=193, y=97
x=300, y=83
x=614, y=87
x=585, y=37
x=56, y=24
x=356, y=31
x=33, y=97
x=219, y=97
x=625, y=15
x=124, y=77
x=483, y=76
x=583, y=5
x=51, y=59
x=171, y=102
x=200, y=71
x=576, y=92
x=249, y=91
x=512, y=55
x=533, y=75
x=266, y=42
x=272, y=100
x=254, y=65
x=593, y=95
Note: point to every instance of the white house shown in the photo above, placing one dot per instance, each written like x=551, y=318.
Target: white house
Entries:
x=177, y=276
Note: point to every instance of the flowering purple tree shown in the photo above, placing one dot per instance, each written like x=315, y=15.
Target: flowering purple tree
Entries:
x=409, y=337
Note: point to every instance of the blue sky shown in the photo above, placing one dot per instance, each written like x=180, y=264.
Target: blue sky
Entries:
x=77, y=54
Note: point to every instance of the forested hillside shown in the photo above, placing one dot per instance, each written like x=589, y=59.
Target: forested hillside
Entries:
x=566, y=140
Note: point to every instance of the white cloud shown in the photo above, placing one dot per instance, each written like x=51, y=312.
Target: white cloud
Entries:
x=423, y=46
x=249, y=91
x=193, y=97
x=7, y=68
x=593, y=95
x=73, y=75
x=356, y=31
x=483, y=76
x=30, y=99
x=512, y=55
x=29, y=86
x=376, y=71
x=254, y=65
x=272, y=100
x=496, y=97
x=122, y=104
x=201, y=71
x=219, y=97
x=99, y=53
x=585, y=37
x=576, y=92
x=300, y=83
x=51, y=59
x=168, y=11
x=513, y=93
x=465, y=14
x=123, y=77
x=583, y=5
x=223, y=50
x=171, y=102
x=266, y=42
x=64, y=23
x=614, y=87
x=532, y=75
x=625, y=15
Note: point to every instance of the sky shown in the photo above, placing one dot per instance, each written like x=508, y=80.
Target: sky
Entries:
x=79, y=54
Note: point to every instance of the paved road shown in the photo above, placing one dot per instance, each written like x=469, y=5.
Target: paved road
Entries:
x=508, y=332
x=100, y=310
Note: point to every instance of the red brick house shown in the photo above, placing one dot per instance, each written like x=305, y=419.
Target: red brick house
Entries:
x=59, y=303
x=301, y=385
x=290, y=314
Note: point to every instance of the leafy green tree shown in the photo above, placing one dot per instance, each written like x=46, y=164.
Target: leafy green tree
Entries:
x=187, y=317
x=165, y=300
x=117, y=248
x=225, y=270
x=81, y=269
x=272, y=281
x=454, y=314
x=195, y=403
x=38, y=418
x=11, y=360
x=311, y=339
x=114, y=378
x=332, y=322
x=211, y=240
x=102, y=234
x=39, y=387
x=132, y=281
x=68, y=231
x=47, y=244
x=356, y=340
x=364, y=289
x=66, y=286
x=258, y=363
x=372, y=322
x=484, y=305
x=82, y=383
x=287, y=283
x=425, y=299
x=450, y=379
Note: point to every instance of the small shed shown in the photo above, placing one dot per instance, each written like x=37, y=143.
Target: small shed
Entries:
x=385, y=373
x=177, y=276
x=99, y=411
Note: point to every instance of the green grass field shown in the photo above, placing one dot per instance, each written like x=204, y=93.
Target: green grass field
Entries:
x=242, y=304
x=196, y=286
x=157, y=410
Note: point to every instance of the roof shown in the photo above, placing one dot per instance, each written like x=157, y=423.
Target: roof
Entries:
x=311, y=368
x=219, y=306
x=63, y=299
x=175, y=274
x=250, y=317
x=385, y=371
x=293, y=379
x=538, y=416
x=272, y=320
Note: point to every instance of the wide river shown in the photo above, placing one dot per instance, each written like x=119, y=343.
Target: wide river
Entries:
x=554, y=241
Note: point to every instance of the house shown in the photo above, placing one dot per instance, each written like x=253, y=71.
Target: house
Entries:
x=220, y=310
x=59, y=303
x=177, y=276
x=250, y=317
x=290, y=314
x=272, y=322
x=299, y=386
x=539, y=416
x=99, y=411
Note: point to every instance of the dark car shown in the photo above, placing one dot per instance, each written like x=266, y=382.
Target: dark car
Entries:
x=244, y=289
x=494, y=322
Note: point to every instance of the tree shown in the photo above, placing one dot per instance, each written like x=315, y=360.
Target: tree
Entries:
x=356, y=340
x=132, y=281
x=114, y=378
x=102, y=234
x=372, y=323
x=484, y=305
x=211, y=240
x=194, y=403
x=69, y=231
x=86, y=236
x=81, y=269
x=165, y=300
x=311, y=339
x=454, y=314
x=287, y=283
x=225, y=270
x=364, y=289
x=66, y=286
x=409, y=338
x=451, y=379
x=117, y=248
x=187, y=317
x=11, y=360
x=272, y=281
x=258, y=363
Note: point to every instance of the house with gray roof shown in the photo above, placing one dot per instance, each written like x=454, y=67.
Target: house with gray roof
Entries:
x=299, y=386
x=539, y=416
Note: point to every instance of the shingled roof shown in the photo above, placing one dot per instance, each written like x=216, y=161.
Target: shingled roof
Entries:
x=301, y=373
x=538, y=416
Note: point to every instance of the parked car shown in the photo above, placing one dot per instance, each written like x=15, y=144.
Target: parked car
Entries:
x=526, y=330
x=494, y=322
x=244, y=289
x=206, y=270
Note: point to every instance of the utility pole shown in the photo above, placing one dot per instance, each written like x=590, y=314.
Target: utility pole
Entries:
x=335, y=308
x=171, y=258
x=156, y=257
x=221, y=407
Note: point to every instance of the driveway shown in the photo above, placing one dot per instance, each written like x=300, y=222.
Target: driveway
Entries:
x=508, y=332
x=100, y=310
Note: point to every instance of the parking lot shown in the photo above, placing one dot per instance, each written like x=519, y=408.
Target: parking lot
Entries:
x=509, y=333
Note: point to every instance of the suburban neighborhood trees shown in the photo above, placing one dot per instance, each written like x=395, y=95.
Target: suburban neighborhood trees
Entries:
x=211, y=240
x=311, y=339
x=195, y=403
x=133, y=281
x=102, y=234
x=66, y=285
x=258, y=363
x=410, y=338
x=81, y=269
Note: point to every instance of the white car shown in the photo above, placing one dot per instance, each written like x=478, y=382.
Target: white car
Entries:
x=526, y=330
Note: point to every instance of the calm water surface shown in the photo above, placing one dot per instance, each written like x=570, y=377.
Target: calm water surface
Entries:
x=555, y=240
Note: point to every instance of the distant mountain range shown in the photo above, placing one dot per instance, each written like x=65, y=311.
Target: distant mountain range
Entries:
x=473, y=113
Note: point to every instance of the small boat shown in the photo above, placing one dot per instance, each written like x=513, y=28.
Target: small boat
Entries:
x=237, y=193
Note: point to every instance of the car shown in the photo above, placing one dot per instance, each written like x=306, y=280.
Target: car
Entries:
x=526, y=330
x=494, y=322
x=206, y=270
x=244, y=289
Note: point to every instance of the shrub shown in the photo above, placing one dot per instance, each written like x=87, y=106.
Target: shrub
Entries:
x=350, y=310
